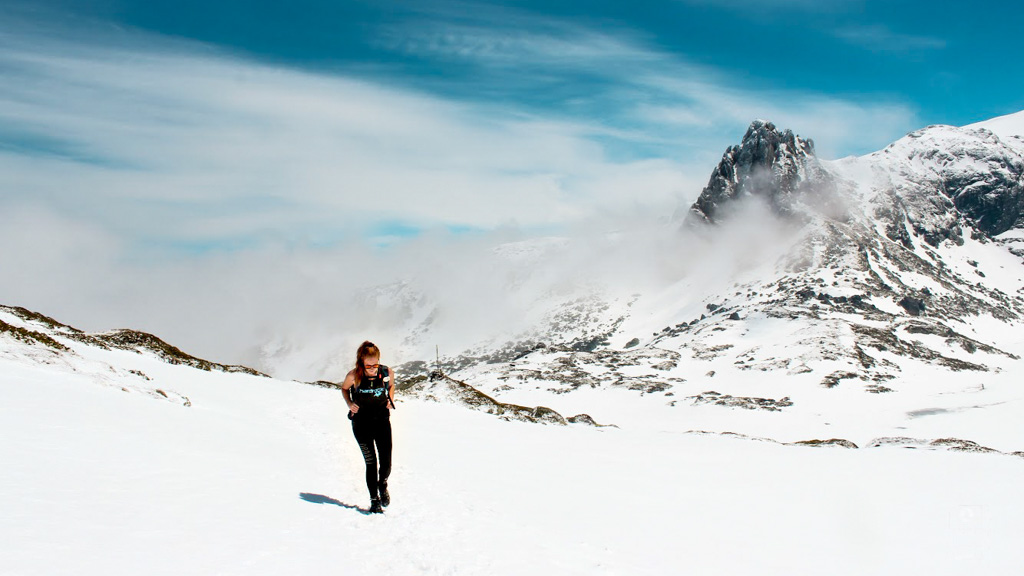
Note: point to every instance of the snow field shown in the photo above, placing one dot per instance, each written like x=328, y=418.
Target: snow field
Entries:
x=261, y=476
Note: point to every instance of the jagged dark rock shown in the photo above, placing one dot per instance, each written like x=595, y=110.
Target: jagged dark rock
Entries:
x=913, y=306
x=778, y=167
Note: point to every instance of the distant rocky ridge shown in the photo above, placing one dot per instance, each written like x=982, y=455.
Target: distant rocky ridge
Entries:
x=45, y=331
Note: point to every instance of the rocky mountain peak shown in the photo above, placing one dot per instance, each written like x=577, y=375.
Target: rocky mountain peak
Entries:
x=778, y=166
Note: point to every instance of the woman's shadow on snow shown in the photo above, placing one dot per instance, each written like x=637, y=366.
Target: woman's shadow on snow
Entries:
x=321, y=499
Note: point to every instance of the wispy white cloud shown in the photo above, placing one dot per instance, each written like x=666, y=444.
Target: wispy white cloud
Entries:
x=208, y=131
x=652, y=97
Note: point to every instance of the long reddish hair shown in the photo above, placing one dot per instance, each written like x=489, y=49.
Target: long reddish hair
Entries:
x=366, y=350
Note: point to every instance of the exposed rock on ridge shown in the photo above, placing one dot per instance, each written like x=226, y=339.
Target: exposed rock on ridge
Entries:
x=942, y=174
x=779, y=167
x=42, y=330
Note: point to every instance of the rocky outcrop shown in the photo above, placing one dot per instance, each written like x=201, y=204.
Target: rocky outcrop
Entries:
x=439, y=387
x=747, y=403
x=776, y=166
x=940, y=176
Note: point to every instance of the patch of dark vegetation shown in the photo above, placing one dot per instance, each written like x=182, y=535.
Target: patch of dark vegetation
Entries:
x=746, y=403
x=833, y=379
x=952, y=444
x=958, y=445
x=953, y=337
x=887, y=340
x=326, y=384
x=649, y=387
x=31, y=337
x=582, y=419
x=830, y=442
x=447, y=388
x=865, y=359
x=897, y=441
x=31, y=316
x=960, y=365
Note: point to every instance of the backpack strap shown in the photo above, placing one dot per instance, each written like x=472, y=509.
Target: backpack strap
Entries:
x=385, y=373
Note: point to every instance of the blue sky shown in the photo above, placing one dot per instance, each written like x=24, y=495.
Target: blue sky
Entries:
x=949, y=62
x=208, y=138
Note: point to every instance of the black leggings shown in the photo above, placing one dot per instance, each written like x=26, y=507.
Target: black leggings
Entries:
x=369, y=431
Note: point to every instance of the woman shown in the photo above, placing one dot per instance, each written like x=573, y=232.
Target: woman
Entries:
x=369, y=391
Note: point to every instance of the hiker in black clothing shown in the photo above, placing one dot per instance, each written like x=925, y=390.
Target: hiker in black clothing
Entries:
x=369, y=391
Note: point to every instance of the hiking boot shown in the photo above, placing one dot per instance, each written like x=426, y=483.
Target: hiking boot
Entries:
x=385, y=498
x=375, y=507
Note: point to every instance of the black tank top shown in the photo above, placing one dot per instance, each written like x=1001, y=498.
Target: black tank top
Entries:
x=371, y=395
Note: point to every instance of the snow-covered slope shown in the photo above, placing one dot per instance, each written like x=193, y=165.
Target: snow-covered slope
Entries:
x=122, y=462
x=1009, y=128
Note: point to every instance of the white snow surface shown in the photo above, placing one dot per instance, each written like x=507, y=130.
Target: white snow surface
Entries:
x=226, y=473
x=1010, y=127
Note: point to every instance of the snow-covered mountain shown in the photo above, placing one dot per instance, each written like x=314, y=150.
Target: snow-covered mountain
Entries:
x=885, y=285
